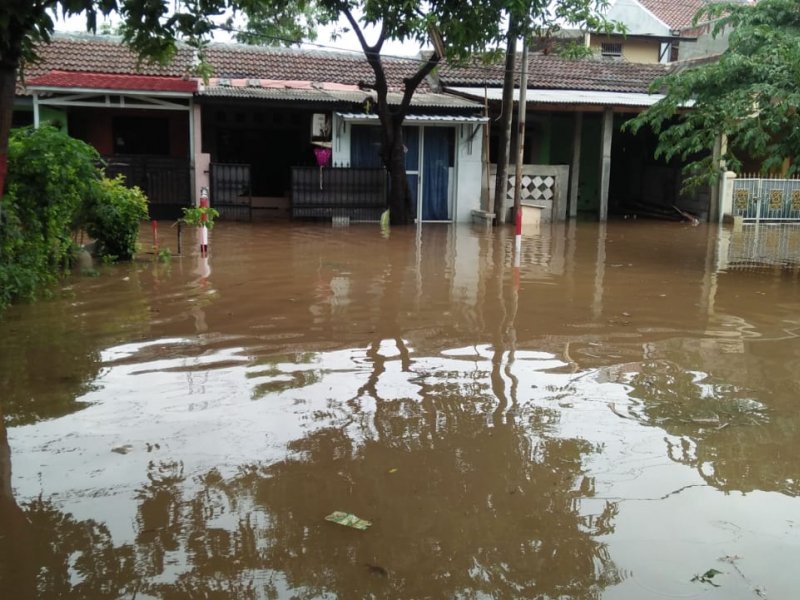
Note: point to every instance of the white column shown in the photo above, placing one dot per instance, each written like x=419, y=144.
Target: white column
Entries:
x=605, y=162
x=36, y=118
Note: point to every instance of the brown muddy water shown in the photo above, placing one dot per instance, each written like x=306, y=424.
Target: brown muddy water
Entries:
x=619, y=419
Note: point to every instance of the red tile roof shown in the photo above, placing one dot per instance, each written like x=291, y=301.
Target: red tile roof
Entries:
x=105, y=81
x=555, y=72
x=100, y=54
x=677, y=14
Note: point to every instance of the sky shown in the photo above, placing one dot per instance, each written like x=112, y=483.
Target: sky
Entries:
x=348, y=42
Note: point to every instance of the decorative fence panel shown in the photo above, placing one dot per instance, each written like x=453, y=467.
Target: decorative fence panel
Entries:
x=758, y=200
x=339, y=192
x=230, y=191
x=542, y=185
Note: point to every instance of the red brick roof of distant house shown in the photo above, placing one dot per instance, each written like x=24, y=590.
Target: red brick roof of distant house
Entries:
x=115, y=82
x=557, y=73
x=105, y=54
x=676, y=14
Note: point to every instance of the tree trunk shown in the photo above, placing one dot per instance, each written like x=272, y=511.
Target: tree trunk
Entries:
x=504, y=143
x=8, y=82
x=399, y=194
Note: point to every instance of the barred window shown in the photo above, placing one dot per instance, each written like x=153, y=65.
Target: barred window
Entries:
x=611, y=49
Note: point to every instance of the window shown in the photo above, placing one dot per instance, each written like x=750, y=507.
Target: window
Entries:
x=611, y=49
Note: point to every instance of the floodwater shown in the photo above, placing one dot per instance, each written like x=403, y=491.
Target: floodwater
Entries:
x=617, y=418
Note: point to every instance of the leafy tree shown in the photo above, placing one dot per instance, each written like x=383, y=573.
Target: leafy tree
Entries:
x=749, y=95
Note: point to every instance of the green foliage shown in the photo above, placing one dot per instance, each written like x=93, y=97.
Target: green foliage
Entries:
x=50, y=174
x=194, y=216
x=164, y=255
x=113, y=216
x=750, y=94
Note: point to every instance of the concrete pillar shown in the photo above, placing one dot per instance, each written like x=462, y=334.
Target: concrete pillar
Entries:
x=726, y=195
x=605, y=162
x=36, y=117
x=575, y=168
x=199, y=162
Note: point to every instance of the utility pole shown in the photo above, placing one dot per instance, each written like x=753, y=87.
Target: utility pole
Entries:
x=506, y=118
x=523, y=106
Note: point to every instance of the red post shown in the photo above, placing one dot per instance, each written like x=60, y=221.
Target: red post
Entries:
x=154, y=223
x=204, y=203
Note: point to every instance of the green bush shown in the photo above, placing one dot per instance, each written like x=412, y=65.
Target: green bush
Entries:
x=49, y=177
x=113, y=217
x=55, y=187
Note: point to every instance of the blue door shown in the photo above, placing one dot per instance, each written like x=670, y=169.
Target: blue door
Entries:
x=437, y=161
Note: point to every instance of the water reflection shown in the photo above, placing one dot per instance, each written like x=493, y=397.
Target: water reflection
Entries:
x=504, y=436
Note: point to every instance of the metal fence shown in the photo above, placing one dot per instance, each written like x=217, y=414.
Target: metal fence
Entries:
x=338, y=192
x=756, y=199
x=164, y=180
x=759, y=246
x=231, y=191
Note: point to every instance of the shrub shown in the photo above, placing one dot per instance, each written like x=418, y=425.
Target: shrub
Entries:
x=113, y=215
x=49, y=177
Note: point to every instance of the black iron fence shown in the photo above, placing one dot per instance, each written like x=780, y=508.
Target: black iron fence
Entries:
x=231, y=191
x=165, y=181
x=325, y=193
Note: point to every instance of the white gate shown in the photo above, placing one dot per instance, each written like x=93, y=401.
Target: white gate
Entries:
x=756, y=199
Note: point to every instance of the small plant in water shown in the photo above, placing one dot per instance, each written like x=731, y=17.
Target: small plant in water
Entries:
x=89, y=272
x=707, y=577
x=194, y=216
x=164, y=255
x=109, y=259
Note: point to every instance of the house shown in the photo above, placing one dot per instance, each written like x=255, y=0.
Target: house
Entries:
x=257, y=132
x=249, y=132
x=658, y=31
x=575, y=113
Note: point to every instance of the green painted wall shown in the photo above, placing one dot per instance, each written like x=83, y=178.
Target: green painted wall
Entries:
x=561, y=126
x=589, y=186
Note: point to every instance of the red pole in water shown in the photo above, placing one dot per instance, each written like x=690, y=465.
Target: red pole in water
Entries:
x=154, y=223
x=204, y=203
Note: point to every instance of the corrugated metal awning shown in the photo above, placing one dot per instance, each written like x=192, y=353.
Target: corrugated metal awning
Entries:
x=417, y=119
x=535, y=96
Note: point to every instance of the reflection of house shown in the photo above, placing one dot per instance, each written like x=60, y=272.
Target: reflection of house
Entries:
x=246, y=129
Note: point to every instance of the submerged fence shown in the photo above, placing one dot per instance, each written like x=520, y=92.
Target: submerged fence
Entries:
x=337, y=192
x=766, y=199
x=231, y=191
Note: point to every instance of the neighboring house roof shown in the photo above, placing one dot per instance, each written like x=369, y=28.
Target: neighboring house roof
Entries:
x=280, y=89
x=555, y=72
x=677, y=14
x=105, y=54
x=559, y=97
x=115, y=82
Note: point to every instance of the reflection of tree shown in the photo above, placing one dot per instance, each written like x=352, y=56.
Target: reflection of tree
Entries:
x=45, y=553
x=458, y=508
x=734, y=442
x=51, y=361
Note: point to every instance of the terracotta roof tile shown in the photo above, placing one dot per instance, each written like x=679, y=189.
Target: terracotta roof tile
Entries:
x=104, y=81
x=98, y=54
x=554, y=72
x=677, y=14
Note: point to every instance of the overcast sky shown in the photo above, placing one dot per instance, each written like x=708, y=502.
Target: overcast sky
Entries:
x=347, y=42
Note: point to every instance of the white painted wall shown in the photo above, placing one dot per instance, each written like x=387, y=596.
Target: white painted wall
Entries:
x=637, y=19
x=469, y=167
